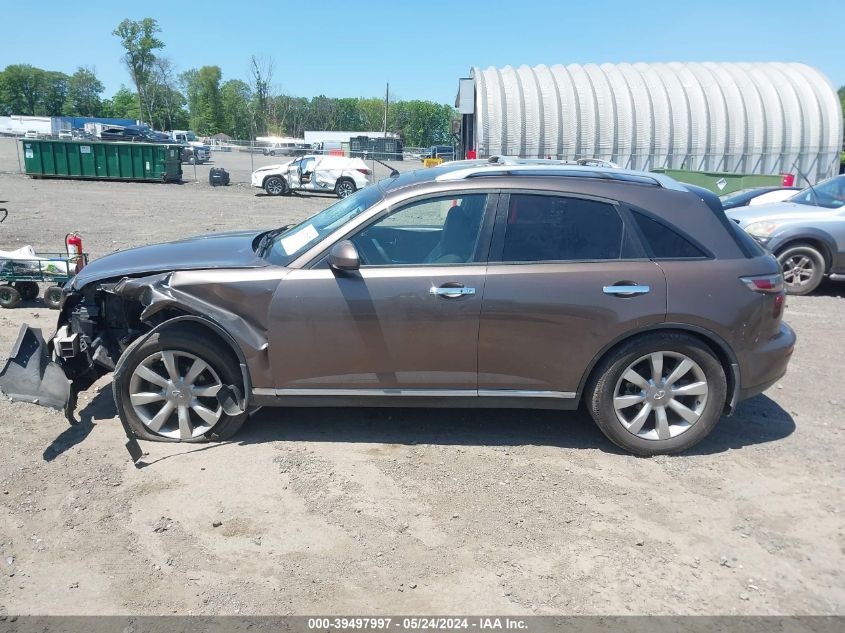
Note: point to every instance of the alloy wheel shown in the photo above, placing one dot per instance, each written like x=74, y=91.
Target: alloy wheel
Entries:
x=275, y=187
x=660, y=395
x=798, y=270
x=174, y=394
x=345, y=188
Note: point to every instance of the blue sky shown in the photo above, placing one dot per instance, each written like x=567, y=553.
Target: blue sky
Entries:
x=350, y=49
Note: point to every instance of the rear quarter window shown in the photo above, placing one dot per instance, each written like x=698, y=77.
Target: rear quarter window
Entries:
x=664, y=242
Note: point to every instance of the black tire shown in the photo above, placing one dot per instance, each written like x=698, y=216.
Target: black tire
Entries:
x=344, y=187
x=272, y=152
x=220, y=359
x=9, y=297
x=53, y=297
x=28, y=290
x=608, y=374
x=803, y=268
x=275, y=186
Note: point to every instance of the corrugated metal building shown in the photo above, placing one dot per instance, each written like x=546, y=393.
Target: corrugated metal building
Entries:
x=762, y=118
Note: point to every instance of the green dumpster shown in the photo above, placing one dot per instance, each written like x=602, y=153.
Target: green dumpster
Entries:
x=722, y=183
x=95, y=160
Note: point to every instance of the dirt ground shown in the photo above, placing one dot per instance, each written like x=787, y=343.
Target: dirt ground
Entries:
x=406, y=511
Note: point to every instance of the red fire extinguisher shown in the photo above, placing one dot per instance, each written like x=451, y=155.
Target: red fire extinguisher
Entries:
x=73, y=243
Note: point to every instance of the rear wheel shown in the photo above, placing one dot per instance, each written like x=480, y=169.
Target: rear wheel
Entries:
x=802, y=267
x=274, y=186
x=53, y=297
x=658, y=394
x=166, y=388
x=344, y=187
x=27, y=289
x=9, y=297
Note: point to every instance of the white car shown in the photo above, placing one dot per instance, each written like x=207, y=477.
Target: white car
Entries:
x=331, y=174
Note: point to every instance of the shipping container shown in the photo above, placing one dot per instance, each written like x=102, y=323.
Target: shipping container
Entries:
x=151, y=162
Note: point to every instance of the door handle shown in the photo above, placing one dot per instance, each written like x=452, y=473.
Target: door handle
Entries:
x=451, y=292
x=626, y=290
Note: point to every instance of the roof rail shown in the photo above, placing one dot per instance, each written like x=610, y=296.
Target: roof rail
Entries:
x=561, y=170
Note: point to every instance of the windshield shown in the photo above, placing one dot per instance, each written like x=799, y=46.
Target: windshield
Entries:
x=829, y=194
x=294, y=241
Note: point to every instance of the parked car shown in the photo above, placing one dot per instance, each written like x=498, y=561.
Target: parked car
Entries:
x=193, y=155
x=756, y=195
x=534, y=287
x=446, y=152
x=340, y=175
x=806, y=233
x=65, y=135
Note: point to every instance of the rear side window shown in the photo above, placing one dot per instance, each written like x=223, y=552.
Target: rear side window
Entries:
x=553, y=228
x=664, y=242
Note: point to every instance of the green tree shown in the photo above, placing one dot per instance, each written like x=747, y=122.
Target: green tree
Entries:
x=235, y=97
x=165, y=104
x=292, y=115
x=138, y=38
x=372, y=113
x=83, y=93
x=204, y=100
x=348, y=115
x=123, y=105
x=21, y=89
x=54, y=86
x=421, y=123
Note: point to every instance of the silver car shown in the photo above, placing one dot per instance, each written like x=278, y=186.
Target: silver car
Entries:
x=806, y=233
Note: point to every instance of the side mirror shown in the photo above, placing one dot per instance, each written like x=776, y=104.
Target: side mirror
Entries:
x=344, y=256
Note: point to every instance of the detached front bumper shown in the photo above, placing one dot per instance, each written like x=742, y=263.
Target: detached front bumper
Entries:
x=30, y=375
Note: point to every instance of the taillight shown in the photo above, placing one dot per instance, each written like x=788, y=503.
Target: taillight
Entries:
x=767, y=284
x=364, y=171
x=788, y=180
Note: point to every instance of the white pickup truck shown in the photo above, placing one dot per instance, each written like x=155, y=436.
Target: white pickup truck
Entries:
x=331, y=174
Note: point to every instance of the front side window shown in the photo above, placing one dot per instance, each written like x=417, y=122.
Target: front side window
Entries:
x=435, y=231
x=292, y=242
x=554, y=228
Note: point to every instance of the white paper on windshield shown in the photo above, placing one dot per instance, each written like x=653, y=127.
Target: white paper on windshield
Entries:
x=293, y=243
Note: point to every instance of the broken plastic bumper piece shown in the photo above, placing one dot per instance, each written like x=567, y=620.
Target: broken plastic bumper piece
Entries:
x=30, y=376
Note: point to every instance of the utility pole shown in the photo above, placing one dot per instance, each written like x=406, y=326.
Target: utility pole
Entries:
x=386, y=101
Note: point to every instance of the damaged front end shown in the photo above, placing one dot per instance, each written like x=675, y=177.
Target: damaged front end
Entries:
x=99, y=321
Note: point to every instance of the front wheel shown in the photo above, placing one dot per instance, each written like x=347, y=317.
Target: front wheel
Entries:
x=166, y=388
x=344, y=188
x=658, y=394
x=802, y=267
x=274, y=186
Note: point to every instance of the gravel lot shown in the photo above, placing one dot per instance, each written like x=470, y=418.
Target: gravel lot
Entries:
x=405, y=510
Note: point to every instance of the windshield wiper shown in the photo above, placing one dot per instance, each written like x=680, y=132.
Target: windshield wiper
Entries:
x=267, y=239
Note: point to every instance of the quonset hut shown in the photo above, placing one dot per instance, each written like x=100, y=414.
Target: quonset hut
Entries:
x=758, y=118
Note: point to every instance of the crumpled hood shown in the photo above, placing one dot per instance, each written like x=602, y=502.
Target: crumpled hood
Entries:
x=215, y=250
